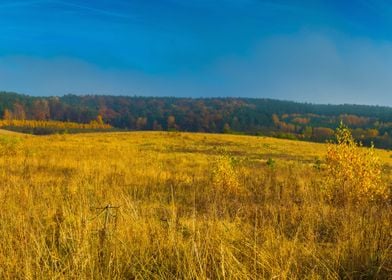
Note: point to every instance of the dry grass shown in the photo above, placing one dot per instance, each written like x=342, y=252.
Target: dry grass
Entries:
x=181, y=215
x=8, y=132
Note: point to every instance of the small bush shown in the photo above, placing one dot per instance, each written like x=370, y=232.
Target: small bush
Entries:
x=354, y=172
x=225, y=178
x=270, y=163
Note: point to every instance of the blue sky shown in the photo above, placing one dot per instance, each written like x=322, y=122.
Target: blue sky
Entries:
x=313, y=51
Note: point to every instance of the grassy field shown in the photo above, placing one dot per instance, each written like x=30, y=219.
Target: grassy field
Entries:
x=182, y=206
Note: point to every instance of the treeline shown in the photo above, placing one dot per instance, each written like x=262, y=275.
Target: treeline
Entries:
x=49, y=127
x=230, y=115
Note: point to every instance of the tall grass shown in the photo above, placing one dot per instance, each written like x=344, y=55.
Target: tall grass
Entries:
x=191, y=206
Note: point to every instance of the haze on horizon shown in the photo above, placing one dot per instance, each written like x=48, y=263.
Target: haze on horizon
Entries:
x=312, y=51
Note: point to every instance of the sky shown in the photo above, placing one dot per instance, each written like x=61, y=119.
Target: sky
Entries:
x=308, y=51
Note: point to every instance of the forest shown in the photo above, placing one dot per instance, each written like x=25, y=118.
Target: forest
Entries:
x=277, y=118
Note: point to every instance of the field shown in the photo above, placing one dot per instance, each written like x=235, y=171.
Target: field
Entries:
x=168, y=205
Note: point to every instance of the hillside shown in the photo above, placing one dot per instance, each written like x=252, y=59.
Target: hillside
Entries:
x=282, y=119
x=183, y=206
x=9, y=132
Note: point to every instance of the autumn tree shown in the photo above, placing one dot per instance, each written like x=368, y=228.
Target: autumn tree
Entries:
x=275, y=119
x=226, y=128
x=322, y=132
x=354, y=171
x=7, y=114
x=99, y=120
x=141, y=123
x=40, y=110
x=171, y=122
x=19, y=112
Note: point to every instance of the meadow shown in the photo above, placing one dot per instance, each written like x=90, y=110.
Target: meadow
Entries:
x=169, y=205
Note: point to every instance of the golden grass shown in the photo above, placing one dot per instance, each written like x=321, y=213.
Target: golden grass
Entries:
x=180, y=215
x=8, y=132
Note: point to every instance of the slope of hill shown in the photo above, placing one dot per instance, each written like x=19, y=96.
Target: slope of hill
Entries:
x=9, y=132
x=175, y=205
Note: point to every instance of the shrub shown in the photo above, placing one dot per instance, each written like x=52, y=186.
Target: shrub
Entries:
x=271, y=163
x=225, y=178
x=354, y=171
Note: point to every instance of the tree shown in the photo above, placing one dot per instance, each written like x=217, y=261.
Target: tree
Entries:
x=275, y=119
x=19, y=112
x=40, y=110
x=156, y=126
x=7, y=115
x=226, y=128
x=171, y=122
x=322, y=132
x=99, y=120
x=354, y=172
x=141, y=123
x=308, y=132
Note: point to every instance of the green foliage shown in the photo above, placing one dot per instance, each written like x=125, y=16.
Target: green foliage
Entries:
x=318, y=164
x=271, y=163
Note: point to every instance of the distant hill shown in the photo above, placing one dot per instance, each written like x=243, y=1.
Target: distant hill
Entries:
x=285, y=119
